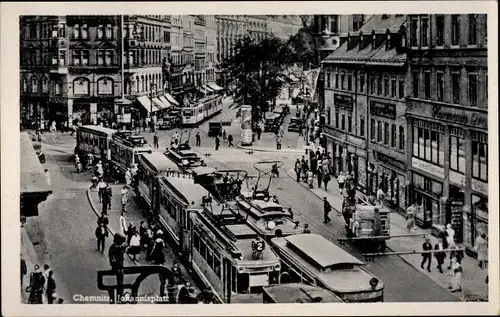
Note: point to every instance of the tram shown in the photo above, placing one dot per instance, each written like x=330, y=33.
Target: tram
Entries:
x=125, y=149
x=294, y=293
x=203, y=110
x=185, y=158
x=314, y=260
x=94, y=139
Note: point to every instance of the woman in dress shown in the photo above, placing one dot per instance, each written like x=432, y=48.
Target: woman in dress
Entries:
x=456, y=276
x=135, y=245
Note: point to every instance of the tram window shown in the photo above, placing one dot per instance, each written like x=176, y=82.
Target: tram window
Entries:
x=243, y=283
x=209, y=257
x=234, y=278
x=196, y=240
x=217, y=262
x=203, y=249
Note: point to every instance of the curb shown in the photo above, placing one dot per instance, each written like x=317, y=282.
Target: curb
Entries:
x=269, y=150
x=388, y=248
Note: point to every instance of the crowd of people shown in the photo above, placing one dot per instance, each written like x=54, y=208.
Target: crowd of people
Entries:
x=42, y=285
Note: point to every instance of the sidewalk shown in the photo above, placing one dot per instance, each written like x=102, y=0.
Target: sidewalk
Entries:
x=473, y=278
x=134, y=216
x=29, y=255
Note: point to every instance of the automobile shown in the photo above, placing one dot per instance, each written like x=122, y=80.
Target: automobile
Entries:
x=169, y=122
x=295, y=125
x=38, y=149
x=271, y=122
x=214, y=128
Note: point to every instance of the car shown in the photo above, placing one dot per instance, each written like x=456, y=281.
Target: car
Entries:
x=295, y=125
x=169, y=122
x=214, y=128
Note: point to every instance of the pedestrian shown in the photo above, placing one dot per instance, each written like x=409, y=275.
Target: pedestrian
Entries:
x=143, y=233
x=36, y=287
x=94, y=182
x=319, y=175
x=123, y=223
x=310, y=178
x=128, y=177
x=101, y=187
x=305, y=170
x=481, y=248
x=124, y=199
x=224, y=134
x=50, y=287
x=108, y=193
x=440, y=255
x=47, y=177
x=104, y=220
x=144, y=125
x=278, y=142
x=306, y=229
x=101, y=233
x=130, y=232
x=198, y=139
x=380, y=195
x=410, y=217
x=450, y=235
x=297, y=170
x=230, y=140
x=135, y=245
x=314, y=164
x=177, y=274
x=326, y=210
x=456, y=276
x=217, y=142
x=454, y=253
x=24, y=270
x=150, y=242
x=426, y=257
x=326, y=178
x=341, y=180
x=157, y=253
x=156, y=141
x=274, y=170
x=259, y=131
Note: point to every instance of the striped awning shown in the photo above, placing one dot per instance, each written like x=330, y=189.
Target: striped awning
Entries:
x=160, y=105
x=146, y=103
x=171, y=99
x=214, y=86
x=165, y=101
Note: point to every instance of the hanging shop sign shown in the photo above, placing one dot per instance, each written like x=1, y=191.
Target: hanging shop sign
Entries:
x=428, y=167
x=327, y=129
x=380, y=109
x=456, y=178
x=480, y=187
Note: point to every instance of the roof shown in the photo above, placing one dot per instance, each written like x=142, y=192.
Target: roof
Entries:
x=240, y=230
x=203, y=170
x=266, y=204
x=188, y=189
x=98, y=128
x=322, y=251
x=381, y=22
x=159, y=162
x=147, y=104
x=32, y=173
x=293, y=292
x=245, y=247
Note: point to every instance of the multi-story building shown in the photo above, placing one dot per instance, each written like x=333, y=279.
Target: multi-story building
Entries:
x=229, y=29
x=211, y=48
x=283, y=27
x=257, y=26
x=365, y=104
x=447, y=114
x=200, y=47
x=176, y=60
x=187, y=59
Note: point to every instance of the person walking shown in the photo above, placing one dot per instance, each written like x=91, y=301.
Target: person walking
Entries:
x=259, y=131
x=135, y=245
x=101, y=187
x=130, y=232
x=456, y=276
x=426, y=257
x=224, y=134
x=306, y=229
x=198, y=139
x=410, y=217
x=230, y=140
x=326, y=210
x=440, y=255
x=298, y=170
x=24, y=270
x=319, y=175
x=481, y=248
x=50, y=290
x=101, y=233
x=177, y=274
x=157, y=253
x=128, y=177
x=450, y=235
x=156, y=143
x=217, y=142
x=278, y=142
x=380, y=195
x=124, y=199
x=326, y=178
x=341, y=180
x=123, y=223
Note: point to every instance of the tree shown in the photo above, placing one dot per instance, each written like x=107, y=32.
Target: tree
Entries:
x=304, y=45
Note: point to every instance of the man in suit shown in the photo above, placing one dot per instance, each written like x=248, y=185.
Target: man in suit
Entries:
x=440, y=256
x=101, y=233
x=426, y=257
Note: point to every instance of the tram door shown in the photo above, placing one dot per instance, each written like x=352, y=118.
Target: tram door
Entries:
x=185, y=231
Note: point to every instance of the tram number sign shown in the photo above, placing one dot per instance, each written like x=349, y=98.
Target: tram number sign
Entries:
x=258, y=246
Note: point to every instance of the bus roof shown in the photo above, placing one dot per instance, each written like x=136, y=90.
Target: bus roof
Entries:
x=301, y=293
x=188, y=189
x=98, y=128
x=158, y=162
x=324, y=253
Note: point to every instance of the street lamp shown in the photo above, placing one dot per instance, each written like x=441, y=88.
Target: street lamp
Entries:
x=306, y=96
x=153, y=88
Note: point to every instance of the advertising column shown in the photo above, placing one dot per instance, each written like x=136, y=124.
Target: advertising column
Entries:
x=246, y=125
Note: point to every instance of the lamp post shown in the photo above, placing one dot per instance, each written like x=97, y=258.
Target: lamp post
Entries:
x=306, y=102
x=153, y=88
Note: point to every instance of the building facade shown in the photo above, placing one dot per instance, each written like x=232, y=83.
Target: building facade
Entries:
x=229, y=29
x=283, y=27
x=211, y=48
x=200, y=48
x=447, y=114
x=364, y=99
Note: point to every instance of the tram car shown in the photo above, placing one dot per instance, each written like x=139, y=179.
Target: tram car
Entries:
x=125, y=149
x=203, y=110
x=312, y=259
x=297, y=293
x=94, y=139
x=185, y=158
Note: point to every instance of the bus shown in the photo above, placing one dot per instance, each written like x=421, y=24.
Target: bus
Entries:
x=312, y=259
x=94, y=139
x=203, y=110
x=294, y=293
x=125, y=149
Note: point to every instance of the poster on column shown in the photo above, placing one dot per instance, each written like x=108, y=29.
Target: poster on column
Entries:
x=246, y=125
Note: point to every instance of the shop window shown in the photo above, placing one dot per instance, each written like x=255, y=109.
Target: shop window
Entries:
x=401, y=137
x=393, y=135
x=457, y=154
x=372, y=130
x=362, y=126
x=455, y=29
x=473, y=90
x=440, y=30
x=477, y=220
x=415, y=84
x=480, y=160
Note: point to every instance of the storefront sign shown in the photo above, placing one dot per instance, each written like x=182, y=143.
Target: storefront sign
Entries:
x=475, y=118
x=389, y=160
x=359, y=142
x=457, y=179
x=383, y=109
x=428, y=167
x=334, y=133
x=480, y=187
x=343, y=101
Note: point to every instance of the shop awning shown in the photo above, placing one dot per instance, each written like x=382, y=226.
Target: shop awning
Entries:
x=207, y=88
x=160, y=105
x=171, y=99
x=214, y=86
x=165, y=101
x=147, y=104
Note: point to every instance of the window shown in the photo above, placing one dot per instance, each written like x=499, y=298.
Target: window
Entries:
x=334, y=23
x=473, y=90
x=379, y=132
x=372, y=84
x=440, y=30
x=349, y=124
x=455, y=29
x=76, y=31
x=401, y=137
x=336, y=119
x=357, y=21
x=393, y=87
x=393, y=135
x=372, y=130
x=386, y=86
x=362, y=126
x=100, y=31
x=440, y=86
x=401, y=88
x=386, y=133
x=349, y=82
x=84, y=32
x=109, y=57
x=379, y=86
x=336, y=79
x=58, y=87
x=427, y=85
x=361, y=82
x=77, y=56
x=109, y=31
x=472, y=29
x=85, y=57
x=100, y=57
x=54, y=33
x=424, y=32
x=455, y=87
x=428, y=145
x=480, y=160
x=415, y=84
x=343, y=122
x=457, y=154
x=414, y=32
x=342, y=79
x=45, y=86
